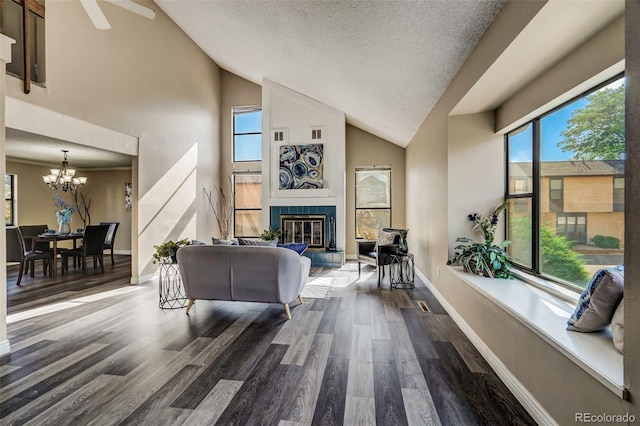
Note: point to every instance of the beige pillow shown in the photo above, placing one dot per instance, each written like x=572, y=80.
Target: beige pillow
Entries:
x=617, y=327
x=385, y=238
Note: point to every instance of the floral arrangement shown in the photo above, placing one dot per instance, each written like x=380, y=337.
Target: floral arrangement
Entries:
x=484, y=258
x=63, y=210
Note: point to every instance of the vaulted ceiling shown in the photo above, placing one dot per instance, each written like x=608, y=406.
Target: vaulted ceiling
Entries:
x=384, y=64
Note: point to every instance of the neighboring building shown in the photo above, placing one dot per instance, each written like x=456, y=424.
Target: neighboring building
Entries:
x=579, y=199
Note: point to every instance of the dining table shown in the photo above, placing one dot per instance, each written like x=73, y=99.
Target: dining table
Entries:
x=53, y=239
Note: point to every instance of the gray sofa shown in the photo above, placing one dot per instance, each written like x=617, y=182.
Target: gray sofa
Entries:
x=243, y=273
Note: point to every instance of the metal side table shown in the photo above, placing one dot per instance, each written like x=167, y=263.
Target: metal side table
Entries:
x=402, y=271
x=172, y=294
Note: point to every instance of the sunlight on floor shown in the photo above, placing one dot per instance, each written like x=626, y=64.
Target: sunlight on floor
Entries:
x=32, y=313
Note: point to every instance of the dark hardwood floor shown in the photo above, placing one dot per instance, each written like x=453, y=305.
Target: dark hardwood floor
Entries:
x=365, y=355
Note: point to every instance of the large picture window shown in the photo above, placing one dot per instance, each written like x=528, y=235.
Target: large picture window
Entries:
x=373, y=201
x=247, y=134
x=247, y=205
x=570, y=221
x=9, y=200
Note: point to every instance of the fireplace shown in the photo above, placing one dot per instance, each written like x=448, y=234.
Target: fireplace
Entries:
x=304, y=228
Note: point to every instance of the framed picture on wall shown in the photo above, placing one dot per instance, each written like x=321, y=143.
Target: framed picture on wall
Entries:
x=128, y=188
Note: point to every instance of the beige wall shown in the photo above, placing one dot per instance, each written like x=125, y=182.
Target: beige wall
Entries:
x=559, y=385
x=607, y=224
x=106, y=191
x=367, y=150
x=588, y=194
x=104, y=188
x=134, y=79
x=476, y=169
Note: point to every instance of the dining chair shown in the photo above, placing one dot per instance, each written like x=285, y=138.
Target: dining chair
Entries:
x=110, y=240
x=92, y=246
x=17, y=252
x=29, y=232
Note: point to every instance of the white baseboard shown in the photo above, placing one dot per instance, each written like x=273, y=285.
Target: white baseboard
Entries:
x=4, y=347
x=127, y=252
x=528, y=401
x=143, y=278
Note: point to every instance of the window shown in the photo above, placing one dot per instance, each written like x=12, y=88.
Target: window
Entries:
x=9, y=200
x=556, y=202
x=247, y=205
x=570, y=221
x=373, y=201
x=247, y=134
x=573, y=227
x=618, y=194
x=27, y=29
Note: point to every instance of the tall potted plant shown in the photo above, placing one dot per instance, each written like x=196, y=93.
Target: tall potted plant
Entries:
x=484, y=258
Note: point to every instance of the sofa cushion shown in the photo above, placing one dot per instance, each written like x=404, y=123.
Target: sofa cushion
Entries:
x=221, y=242
x=299, y=248
x=617, y=327
x=598, y=301
x=251, y=242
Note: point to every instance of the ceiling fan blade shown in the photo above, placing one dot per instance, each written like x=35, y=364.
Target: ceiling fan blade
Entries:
x=134, y=7
x=95, y=14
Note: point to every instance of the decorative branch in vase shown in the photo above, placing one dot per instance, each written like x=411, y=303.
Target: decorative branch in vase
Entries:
x=222, y=209
x=484, y=258
x=82, y=207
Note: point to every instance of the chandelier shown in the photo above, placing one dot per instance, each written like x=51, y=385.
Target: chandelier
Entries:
x=64, y=178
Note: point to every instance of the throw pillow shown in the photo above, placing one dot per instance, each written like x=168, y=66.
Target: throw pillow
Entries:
x=385, y=238
x=617, y=327
x=264, y=243
x=198, y=243
x=297, y=247
x=221, y=242
x=598, y=301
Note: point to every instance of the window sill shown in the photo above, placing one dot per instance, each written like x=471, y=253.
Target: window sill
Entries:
x=546, y=315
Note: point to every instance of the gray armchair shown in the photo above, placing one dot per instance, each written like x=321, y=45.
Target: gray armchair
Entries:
x=377, y=256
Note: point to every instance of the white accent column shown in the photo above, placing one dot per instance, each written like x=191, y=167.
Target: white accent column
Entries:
x=5, y=57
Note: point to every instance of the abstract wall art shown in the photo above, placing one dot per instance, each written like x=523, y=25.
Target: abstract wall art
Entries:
x=128, y=190
x=301, y=166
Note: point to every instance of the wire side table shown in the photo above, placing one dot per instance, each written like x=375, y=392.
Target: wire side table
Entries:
x=172, y=294
x=402, y=271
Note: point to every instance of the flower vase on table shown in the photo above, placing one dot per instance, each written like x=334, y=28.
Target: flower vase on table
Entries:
x=63, y=215
x=65, y=228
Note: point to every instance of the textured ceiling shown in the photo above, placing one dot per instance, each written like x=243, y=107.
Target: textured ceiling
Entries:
x=38, y=149
x=384, y=64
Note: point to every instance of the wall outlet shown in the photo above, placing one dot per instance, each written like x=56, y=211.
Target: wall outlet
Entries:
x=437, y=271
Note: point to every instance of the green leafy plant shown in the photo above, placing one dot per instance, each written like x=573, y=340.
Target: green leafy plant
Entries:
x=489, y=260
x=168, y=249
x=270, y=234
x=606, y=242
x=484, y=258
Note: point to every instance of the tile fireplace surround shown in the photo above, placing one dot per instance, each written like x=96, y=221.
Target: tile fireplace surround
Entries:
x=319, y=257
